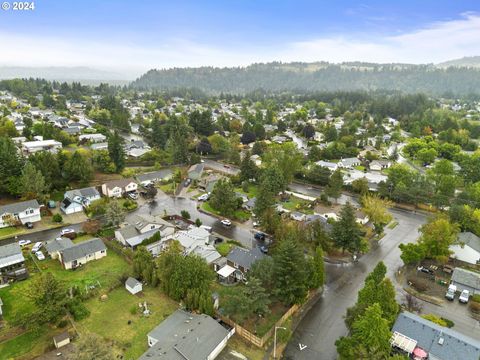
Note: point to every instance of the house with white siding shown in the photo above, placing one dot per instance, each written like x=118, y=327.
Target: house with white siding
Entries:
x=19, y=213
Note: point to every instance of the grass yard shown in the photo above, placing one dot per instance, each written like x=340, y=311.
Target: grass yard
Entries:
x=239, y=214
x=296, y=204
x=10, y=231
x=168, y=188
x=224, y=248
x=251, y=193
x=28, y=345
x=251, y=352
x=110, y=318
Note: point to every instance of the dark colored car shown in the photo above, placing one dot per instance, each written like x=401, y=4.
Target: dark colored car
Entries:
x=218, y=240
x=29, y=225
x=259, y=236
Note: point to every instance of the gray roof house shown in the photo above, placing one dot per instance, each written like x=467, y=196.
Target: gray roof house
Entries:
x=467, y=249
x=23, y=212
x=54, y=247
x=184, y=335
x=195, y=171
x=411, y=331
x=466, y=280
x=12, y=263
x=75, y=200
x=81, y=253
x=155, y=176
x=242, y=260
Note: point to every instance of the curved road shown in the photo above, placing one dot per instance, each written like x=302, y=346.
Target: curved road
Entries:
x=323, y=324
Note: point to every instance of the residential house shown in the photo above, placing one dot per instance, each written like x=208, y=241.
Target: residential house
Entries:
x=76, y=200
x=208, y=183
x=333, y=211
x=81, y=253
x=99, y=146
x=368, y=149
x=195, y=171
x=73, y=130
x=419, y=338
x=155, y=177
x=19, y=213
x=241, y=261
x=279, y=139
x=327, y=164
x=297, y=216
x=117, y=188
x=250, y=204
x=12, y=263
x=467, y=249
x=30, y=147
x=56, y=246
x=349, y=163
x=94, y=138
x=379, y=165
x=466, y=280
x=185, y=335
x=133, y=286
x=373, y=178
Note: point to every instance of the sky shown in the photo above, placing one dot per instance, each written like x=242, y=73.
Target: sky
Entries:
x=133, y=36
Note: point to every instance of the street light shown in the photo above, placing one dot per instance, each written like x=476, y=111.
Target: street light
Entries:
x=275, y=340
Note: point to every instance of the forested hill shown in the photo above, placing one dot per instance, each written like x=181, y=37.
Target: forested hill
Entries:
x=276, y=77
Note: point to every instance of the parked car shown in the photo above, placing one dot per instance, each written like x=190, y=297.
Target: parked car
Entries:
x=23, y=243
x=426, y=270
x=29, y=225
x=206, y=227
x=187, y=182
x=203, y=197
x=40, y=255
x=264, y=249
x=256, y=224
x=66, y=231
x=464, y=296
x=259, y=236
x=450, y=295
x=226, y=166
x=218, y=240
x=37, y=246
x=132, y=195
x=226, y=222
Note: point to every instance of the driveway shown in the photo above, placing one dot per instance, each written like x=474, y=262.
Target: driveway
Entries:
x=324, y=323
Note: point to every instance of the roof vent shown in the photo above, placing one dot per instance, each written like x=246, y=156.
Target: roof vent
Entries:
x=440, y=341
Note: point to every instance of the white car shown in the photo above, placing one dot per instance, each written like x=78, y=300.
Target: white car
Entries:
x=464, y=296
x=66, y=231
x=40, y=255
x=226, y=222
x=204, y=197
x=37, y=246
x=23, y=243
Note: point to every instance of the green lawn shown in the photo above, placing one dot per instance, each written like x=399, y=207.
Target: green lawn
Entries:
x=168, y=188
x=297, y=204
x=240, y=214
x=224, y=248
x=251, y=193
x=28, y=345
x=110, y=318
x=10, y=231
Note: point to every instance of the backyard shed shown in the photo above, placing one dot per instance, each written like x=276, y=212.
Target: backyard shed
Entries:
x=61, y=340
x=133, y=286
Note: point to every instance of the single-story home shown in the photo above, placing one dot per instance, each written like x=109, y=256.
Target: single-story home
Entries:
x=81, y=253
x=12, y=263
x=467, y=249
x=242, y=260
x=30, y=147
x=56, y=246
x=327, y=164
x=19, y=213
x=208, y=183
x=185, y=335
x=416, y=336
x=95, y=138
x=155, y=176
x=297, y=216
x=99, y=146
x=349, y=163
x=466, y=280
x=61, y=339
x=195, y=171
x=379, y=165
x=76, y=200
x=133, y=286
x=116, y=188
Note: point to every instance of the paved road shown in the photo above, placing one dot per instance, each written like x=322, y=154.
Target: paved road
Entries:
x=215, y=165
x=43, y=235
x=168, y=205
x=324, y=322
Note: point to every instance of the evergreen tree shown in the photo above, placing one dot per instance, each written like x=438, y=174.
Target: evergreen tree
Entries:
x=223, y=198
x=32, y=182
x=346, y=233
x=78, y=168
x=335, y=184
x=11, y=165
x=116, y=151
x=248, y=169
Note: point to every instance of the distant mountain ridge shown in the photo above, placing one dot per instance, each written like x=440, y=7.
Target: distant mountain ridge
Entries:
x=317, y=76
x=468, y=61
x=62, y=73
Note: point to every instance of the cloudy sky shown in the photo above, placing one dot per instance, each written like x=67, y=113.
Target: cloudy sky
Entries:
x=136, y=35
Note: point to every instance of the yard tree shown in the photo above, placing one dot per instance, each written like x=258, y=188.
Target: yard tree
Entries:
x=377, y=274
x=32, y=182
x=248, y=169
x=102, y=161
x=308, y=131
x=144, y=266
x=204, y=147
x=316, y=234
x=223, y=198
x=116, y=151
x=287, y=158
x=220, y=144
x=318, y=174
x=346, y=232
x=290, y=272
x=316, y=269
x=427, y=156
x=264, y=271
x=369, y=337
x=445, y=181
x=114, y=213
x=376, y=209
x=248, y=137
x=335, y=184
x=177, y=145
x=412, y=253
x=360, y=186
x=47, y=163
x=91, y=227
x=201, y=122
x=11, y=165
x=78, y=167
x=436, y=237
x=271, y=183
x=49, y=296
x=91, y=346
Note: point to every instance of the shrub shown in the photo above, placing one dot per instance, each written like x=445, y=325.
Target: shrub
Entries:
x=418, y=284
x=62, y=323
x=57, y=218
x=77, y=309
x=435, y=319
x=185, y=214
x=449, y=322
x=476, y=298
x=475, y=307
x=134, y=310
